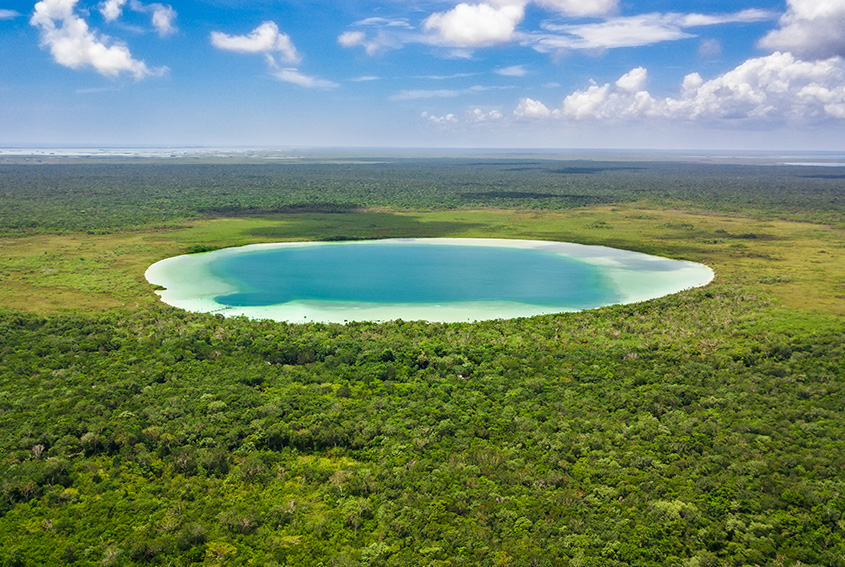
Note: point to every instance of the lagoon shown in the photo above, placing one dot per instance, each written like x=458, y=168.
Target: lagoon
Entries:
x=438, y=279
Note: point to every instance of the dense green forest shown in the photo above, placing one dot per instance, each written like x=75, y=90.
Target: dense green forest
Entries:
x=103, y=198
x=699, y=429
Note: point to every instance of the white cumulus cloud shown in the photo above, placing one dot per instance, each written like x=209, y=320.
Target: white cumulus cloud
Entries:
x=269, y=41
x=112, y=9
x=480, y=115
x=266, y=38
x=351, y=38
x=443, y=119
x=73, y=44
x=473, y=116
x=476, y=25
x=810, y=28
x=633, y=81
x=530, y=108
x=161, y=16
x=778, y=87
x=590, y=103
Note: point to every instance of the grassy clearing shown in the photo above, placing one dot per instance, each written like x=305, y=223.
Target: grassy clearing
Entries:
x=796, y=262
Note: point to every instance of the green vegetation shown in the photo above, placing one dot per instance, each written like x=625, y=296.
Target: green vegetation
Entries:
x=697, y=429
x=75, y=197
x=793, y=260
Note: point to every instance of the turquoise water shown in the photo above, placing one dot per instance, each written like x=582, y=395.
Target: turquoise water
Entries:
x=438, y=279
x=423, y=274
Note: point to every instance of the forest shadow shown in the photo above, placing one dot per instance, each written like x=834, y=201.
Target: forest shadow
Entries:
x=823, y=176
x=292, y=208
x=563, y=199
x=357, y=226
x=592, y=170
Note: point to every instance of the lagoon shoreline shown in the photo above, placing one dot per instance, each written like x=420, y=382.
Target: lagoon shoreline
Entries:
x=190, y=284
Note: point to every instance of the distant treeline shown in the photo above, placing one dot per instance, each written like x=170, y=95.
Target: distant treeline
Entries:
x=110, y=197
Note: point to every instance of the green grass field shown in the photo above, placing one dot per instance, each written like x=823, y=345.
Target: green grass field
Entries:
x=794, y=261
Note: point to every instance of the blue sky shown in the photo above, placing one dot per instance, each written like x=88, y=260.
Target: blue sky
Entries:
x=699, y=74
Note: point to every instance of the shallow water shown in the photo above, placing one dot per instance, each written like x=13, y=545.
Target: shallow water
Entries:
x=431, y=279
x=398, y=273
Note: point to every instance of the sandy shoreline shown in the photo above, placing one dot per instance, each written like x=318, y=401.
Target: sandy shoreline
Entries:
x=190, y=284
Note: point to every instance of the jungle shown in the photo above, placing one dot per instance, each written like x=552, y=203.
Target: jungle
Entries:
x=699, y=429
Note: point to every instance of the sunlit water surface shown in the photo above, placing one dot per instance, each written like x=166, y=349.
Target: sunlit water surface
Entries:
x=431, y=279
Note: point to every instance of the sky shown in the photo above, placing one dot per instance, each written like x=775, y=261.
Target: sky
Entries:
x=642, y=74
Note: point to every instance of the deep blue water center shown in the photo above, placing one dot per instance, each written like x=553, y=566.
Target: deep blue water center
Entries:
x=401, y=273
